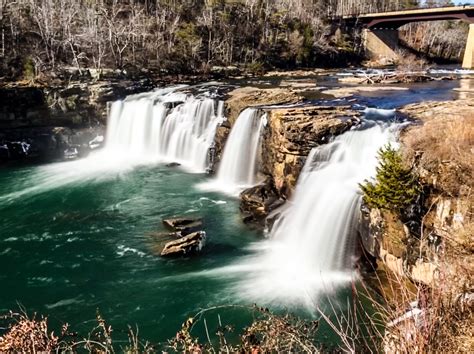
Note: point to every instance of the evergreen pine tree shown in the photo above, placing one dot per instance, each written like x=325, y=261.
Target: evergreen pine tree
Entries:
x=395, y=186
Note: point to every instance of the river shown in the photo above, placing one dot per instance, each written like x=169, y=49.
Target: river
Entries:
x=76, y=238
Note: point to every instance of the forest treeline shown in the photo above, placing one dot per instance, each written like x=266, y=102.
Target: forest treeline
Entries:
x=440, y=40
x=177, y=36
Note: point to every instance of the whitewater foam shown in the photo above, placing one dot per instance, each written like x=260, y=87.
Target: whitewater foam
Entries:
x=238, y=167
x=145, y=129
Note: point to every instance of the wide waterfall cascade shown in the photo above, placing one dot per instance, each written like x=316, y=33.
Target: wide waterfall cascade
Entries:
x=147, y=129
x=161, y=126
x=238, y=167
x=310, y=247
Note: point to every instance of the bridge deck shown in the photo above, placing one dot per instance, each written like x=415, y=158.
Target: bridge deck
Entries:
x=416, y=12
x=395, y=19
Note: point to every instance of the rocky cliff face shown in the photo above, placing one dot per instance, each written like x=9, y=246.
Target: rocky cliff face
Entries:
x=74, y=105
x=290, y=134
x=439, y=148
x=55, y=122
x=242, y=98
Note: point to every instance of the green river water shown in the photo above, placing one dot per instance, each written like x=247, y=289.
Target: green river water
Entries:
x=87, y=245
x=71, y=247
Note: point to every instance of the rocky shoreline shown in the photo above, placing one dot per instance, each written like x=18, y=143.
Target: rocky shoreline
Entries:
x=42, y=124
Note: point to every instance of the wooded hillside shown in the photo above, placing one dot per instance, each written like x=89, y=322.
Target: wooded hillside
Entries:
x=177, y=35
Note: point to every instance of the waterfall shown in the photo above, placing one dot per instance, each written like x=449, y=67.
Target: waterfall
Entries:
x=146, y=128
x=238, y=167
x=161, y=126
x=310, y=247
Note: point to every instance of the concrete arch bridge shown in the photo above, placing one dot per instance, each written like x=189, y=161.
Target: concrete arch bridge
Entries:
x=380, y=32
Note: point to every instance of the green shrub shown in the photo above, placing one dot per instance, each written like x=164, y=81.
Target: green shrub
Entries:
x=395, y=186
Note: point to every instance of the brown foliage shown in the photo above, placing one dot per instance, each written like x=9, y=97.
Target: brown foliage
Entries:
x=442, y=147
x=268, y=333
x=410, y=63
x=29, y=334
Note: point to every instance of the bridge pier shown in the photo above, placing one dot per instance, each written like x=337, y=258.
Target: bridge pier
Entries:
x=381, y=44
x=468, y=61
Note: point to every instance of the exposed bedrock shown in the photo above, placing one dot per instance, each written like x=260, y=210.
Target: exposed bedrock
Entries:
x=292, y=130
x=187, y=245
x=76, y=105
x=57, y=122
x=184, y=238
x=434, y=242
x=242, y=98
x=258, y=202
x=290, y=135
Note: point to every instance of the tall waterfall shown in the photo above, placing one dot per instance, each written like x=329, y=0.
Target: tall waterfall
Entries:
x=238, y=167
x=310, y=246
x=145, y=127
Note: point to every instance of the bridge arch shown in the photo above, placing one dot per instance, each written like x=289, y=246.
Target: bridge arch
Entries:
x=381, y=29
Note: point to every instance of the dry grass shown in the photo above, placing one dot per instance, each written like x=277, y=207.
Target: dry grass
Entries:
x=443, y=146
x=268, y=333
x=27, y=334
x=406, y=317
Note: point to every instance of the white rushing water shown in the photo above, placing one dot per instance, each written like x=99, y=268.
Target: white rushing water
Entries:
x=145, y=128
x=160, y=126
x=238, y=166
x=310, y=248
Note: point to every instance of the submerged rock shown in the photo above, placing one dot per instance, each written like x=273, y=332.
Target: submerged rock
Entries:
x=190, y=244
x=246, y=97
x=173, y=164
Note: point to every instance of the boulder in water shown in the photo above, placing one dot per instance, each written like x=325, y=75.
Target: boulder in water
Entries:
x=190, y=244
x=257, y=202
x=71, y=153
x=4, y=152
x=184, y=226
x=97, y=142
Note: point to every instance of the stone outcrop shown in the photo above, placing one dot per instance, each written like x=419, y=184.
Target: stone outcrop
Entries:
x=49, y=143
x=290, y=135
x=291, y=132
x=439, y=148
x=187, y=245
x=370, y=235
x=75, y=105
x=258, y=202
x=245, y=97
x=57, y=122
x=186, y=237
x=183, y=226
x=242, y=98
